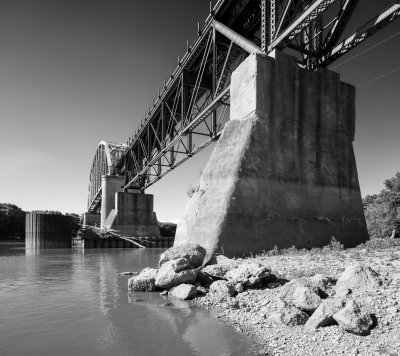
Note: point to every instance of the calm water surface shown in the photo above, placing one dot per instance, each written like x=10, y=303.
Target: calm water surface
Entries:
x=72, y=302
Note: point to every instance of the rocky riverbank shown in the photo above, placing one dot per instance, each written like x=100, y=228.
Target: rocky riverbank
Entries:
x=321, y=302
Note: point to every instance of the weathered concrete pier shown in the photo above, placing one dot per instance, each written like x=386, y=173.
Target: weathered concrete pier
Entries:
x=283, y=172
x=129, y=211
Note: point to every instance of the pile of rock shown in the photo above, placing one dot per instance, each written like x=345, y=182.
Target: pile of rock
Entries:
x=314, y=302
x=321, y=301
x=181, y=274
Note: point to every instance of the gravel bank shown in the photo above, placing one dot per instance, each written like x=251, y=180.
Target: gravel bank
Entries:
x=250, y=310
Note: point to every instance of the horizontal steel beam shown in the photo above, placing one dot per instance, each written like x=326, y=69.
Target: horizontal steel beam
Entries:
x=242, y=42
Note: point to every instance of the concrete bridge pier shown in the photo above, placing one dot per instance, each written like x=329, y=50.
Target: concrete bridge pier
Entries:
x=110, y=185
x=283, y=172
x=130, y=212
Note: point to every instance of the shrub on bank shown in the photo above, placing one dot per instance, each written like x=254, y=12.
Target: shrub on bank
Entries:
x=12, y=221
x=382, y=211
x=167, y=229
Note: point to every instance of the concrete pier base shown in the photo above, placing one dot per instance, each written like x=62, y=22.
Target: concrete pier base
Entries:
x=133, y=215
x=283, y=172
x=109, y=186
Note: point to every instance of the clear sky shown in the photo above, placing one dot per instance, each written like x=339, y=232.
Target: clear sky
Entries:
x=75, y=72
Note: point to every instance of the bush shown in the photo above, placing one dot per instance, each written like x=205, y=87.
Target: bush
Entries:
x=12, y=221
x=333, y=246
x=382, y=210
x=377, y=243
x=167, y=229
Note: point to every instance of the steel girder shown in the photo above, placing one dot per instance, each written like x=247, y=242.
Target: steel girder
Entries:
x=104, y=163
x=192, y=106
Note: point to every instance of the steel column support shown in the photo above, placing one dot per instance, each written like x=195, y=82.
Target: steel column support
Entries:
x=264, y=38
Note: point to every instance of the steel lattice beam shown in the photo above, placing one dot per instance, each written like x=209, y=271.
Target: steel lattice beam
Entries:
x=382, y=20
x=193, y=104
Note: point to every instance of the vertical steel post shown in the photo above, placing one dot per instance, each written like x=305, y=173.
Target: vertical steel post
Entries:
x=162, y=114
x=272, y=21
x=214, y=83
x=264, y=40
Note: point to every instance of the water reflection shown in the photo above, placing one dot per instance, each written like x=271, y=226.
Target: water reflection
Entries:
x=202, y=332
x=73, y=302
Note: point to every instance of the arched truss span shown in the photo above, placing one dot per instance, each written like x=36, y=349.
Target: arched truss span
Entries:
x=104, y=162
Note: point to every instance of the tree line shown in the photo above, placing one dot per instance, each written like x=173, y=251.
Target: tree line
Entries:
x=12, y=220
x=382, y=214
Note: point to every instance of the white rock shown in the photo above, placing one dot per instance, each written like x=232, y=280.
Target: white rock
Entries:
x=171, y=274
x=352, y=319
x=194, y=253
x=144, y=281
x=183, y=291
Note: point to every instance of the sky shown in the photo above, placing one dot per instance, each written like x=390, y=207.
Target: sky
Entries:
x=76, y=72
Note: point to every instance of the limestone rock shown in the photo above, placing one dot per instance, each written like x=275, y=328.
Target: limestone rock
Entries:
x=173, y=273
x=357, y=277
x=194, y=253
x=239, y=287
x=248, y=273
x=203, y=278
x=323, y=283
x=301, y=293
x=290, y=316
x=306, y=299
x=222, y=260
x=183, y=291
x=222, y=289
x=352, y=319
x=217, y=271
x=144, y=281
x=323, y=315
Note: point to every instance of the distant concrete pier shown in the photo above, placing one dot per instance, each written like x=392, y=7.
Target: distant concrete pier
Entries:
x=45, y=231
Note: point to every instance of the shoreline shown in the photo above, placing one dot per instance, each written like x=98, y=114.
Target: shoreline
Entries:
x=249, y=312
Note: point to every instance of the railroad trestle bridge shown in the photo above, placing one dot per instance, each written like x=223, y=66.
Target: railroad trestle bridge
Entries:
x=194, y=105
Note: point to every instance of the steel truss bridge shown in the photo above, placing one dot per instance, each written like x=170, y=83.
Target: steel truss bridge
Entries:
x=192, y=106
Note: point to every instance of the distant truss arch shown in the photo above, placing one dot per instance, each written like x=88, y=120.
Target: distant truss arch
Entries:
x=104, y=163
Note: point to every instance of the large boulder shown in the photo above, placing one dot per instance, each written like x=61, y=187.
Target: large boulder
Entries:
x=175, y=272
x=183, y=291
x=301, y=293
x=144, y=281
x=357, y=277
x=194, y=253
x=289, y=315
x=306, y=299
x=323, y=283
x=248, y=273
x=222, y=289
x=217, y=271
x=323, y=315
x=353, y=319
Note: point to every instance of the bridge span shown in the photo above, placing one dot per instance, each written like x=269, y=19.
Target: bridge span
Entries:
x=194, y=105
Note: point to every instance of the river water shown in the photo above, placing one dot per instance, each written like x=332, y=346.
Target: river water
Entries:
x=72, y=302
